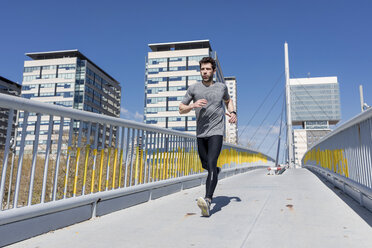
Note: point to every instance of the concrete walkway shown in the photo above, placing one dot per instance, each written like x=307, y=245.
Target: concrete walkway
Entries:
x=295, y=209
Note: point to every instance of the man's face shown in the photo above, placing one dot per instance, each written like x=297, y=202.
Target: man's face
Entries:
x=206, y=72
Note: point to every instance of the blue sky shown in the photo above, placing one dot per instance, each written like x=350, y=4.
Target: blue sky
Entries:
x=326, y=38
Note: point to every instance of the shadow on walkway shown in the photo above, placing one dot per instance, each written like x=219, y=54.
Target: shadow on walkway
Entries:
x=364, y=213
x=222, y=201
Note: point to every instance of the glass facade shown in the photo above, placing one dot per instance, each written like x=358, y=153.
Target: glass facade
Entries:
x=70, y=79
x=315, y=105
x=317, y=102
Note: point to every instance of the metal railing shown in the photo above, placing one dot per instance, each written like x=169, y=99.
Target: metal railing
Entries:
x=345, y=156
x=60, y=153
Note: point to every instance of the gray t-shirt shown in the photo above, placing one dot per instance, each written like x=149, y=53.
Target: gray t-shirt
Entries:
x=211, y=118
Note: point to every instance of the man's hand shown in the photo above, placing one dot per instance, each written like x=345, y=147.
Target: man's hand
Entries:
x=200, y=103
x=233, y=117
x=184, y=109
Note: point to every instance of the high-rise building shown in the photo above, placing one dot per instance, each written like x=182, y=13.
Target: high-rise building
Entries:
x=170, y=69
x=315, y=105
x=70, y=79
x=232, y=128
x=10, y=88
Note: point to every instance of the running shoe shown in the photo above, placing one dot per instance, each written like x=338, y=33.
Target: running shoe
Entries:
x=204, y=206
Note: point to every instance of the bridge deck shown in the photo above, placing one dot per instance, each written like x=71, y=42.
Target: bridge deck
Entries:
x=250, y=210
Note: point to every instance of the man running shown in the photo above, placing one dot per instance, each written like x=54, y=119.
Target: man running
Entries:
x=208, y=98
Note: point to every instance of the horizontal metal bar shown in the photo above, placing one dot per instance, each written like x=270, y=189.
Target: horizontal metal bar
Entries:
x=356, y=120
x=7, y=101
x=12, y=102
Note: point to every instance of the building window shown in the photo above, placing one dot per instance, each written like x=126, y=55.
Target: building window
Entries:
x=31, y=69
x=177, y=78
x=175, y=98
x=157, y=61
x=197, y=58
x=175, y=59
x=178, y=128
x=156, y=99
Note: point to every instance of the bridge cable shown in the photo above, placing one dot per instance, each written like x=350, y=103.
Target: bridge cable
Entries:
x=276, y=83
x=272, y=107
x=271, y=146
x=269, y=130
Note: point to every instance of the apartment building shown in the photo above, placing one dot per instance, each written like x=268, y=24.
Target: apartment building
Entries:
x=67, y=78
x=170, y=69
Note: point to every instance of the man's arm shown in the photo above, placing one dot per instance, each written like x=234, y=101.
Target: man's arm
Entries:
x=184, y=109
x=229, y=105
x=230, y=108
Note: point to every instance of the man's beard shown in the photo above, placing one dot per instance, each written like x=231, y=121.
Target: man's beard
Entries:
x=209, y=79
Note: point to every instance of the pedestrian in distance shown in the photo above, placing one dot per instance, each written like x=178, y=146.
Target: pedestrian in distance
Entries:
x=208, y=99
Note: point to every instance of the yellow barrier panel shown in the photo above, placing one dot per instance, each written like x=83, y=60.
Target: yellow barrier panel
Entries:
x=183, y=161
x=189, y=162
x=173, y=164
x=144, y=166
x=186, y=163
x=178, y=162
x=66, y=174
x=165, y=165
x=157, y=165
x=141, y=166
x=169, y=166
x=165, y=172
x=153, y=165
x=333, y=160
x=93, y=172
x=100, y=171
x=193, y=160
x=76, y=169
x=160, y=165
x=86, y=165
x=121, y=166
x=114, y=169
x=108, y=167
x=136, y=168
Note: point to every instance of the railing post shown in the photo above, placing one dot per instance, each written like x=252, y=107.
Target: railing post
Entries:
x=5, y=160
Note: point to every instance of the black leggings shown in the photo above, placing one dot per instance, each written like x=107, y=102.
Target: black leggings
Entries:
x=209, y=149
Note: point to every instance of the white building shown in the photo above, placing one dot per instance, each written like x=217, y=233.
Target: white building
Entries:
x=315, y=105
x=232, y=128
x=70, y=79
x=300, y=144
x=170, y=69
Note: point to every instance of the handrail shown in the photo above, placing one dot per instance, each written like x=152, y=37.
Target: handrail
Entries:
x=353, y=121
x=346, y=151
x=71, y=153
x=11, y=102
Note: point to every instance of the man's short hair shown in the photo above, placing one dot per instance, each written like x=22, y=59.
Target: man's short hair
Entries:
x=206, y=60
